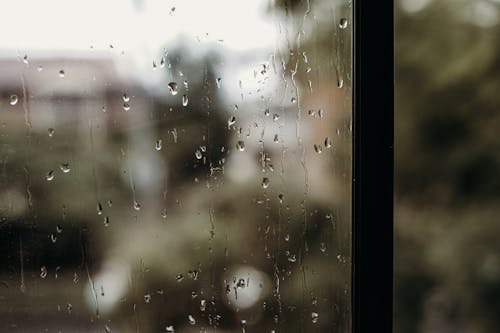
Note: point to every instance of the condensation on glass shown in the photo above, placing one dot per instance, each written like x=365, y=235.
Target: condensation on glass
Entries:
x=175, y=166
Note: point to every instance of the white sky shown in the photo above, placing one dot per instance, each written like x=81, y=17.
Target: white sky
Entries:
x=131, y=24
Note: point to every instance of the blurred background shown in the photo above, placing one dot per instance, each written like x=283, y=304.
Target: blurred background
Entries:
x=175, y=166
x=447, y=249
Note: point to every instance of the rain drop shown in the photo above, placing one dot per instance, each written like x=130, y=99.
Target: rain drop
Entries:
x=172, y=86
x=318, y=149
x=343, y=23
x=61, y=73
x=185, y=100
x=179, y=277
x=293, y=100
x=240, y=145
x=65, y=167
x=126, y=98
x=137, y=205
x=314, y=317
x=203, y=305
x=43, y=272
x=169, y=329
x=106, y=221
x=340, y=82
x=50, y=175
x=158, y=144
x=126, y=106
x=198, y=154
x=276, y=117
x=276, y=139
x=51, y=132
x=13, y=99
x=218, y=82
x=99, y=208
x=147, y=298
x=191, y=319
x=231, y=121
x=328, y=142
x=265, y=182
x=322, y=247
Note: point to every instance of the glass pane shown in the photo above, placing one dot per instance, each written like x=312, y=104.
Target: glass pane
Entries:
x=447, y=262
x=175, y=166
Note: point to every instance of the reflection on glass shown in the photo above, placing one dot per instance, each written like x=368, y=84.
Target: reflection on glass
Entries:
x=175, y=166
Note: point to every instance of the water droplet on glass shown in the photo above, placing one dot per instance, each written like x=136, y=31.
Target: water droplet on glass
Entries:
x=50, y=175
x=231, y=121
x=53, y=238
x=164, y=213
x=198, y=154
x=276, y=117
x=179, y=277
x=293, y=100
x=106, y=221
x=25, y=59
x=169, y=329
x=147, y=298
x=13, y=99
x=191, y=319
x=343, y=23
x=314, y=317
x=65, y=167
x=154, y=64
x=61, y=73
x=240, y=145
x=126, y=106
x=107, y=329
x=162, y=62
x=340, y=82
x=99, y=208
x=137, y=205
x=292, y=258
x=172, y=10
x=51, y=132
x=218, y=82
x=281, y=197
x=172, y=86
x=322, y=247
x=328, y=142
x=265, y=182
x=318, y=149
x=186, y=84
x=43, y=272
x=267, y=113
x=126, y=98
x=158, y=144
x=203, y=305
x=185, y=100
x=276, y=139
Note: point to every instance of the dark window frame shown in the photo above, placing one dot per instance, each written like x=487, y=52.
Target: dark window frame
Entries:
x=373, y=165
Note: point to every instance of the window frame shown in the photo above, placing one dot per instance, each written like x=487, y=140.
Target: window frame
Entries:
x=373, y=166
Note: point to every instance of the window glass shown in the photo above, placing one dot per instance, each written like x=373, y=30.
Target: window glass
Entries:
x=175, y=166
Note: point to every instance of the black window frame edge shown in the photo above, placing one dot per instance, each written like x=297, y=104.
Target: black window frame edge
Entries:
x=373, y=166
